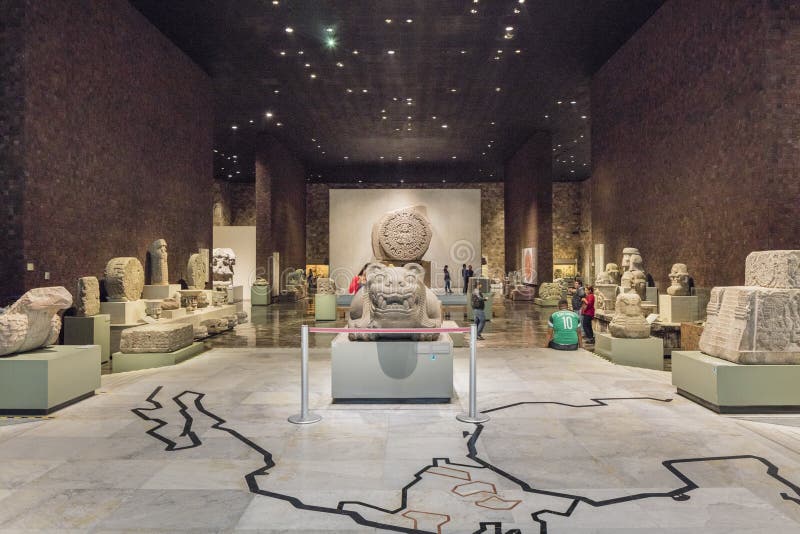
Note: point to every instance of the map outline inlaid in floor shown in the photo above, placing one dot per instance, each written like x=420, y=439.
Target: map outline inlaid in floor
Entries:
x=445, y=468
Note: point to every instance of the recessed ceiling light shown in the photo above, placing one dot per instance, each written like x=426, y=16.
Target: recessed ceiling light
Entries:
x=409, y=21
x=339, y=64
x=289, y=29
x=453, y=157
x=347, y=157
x=330, y=42
x=516, y=10
x=275, y=2
x=355, y=52
x=492, y=123
x=365, y=90
x=381, y=157
x=276, y=91
x=517, y=51
x=300, y=52
x=283, y=53
x=508, y=36
x=252, y=121
x=444, y=126
x=307, y=65
x=268, y=114
x=498, y=89
x=558, y=102
x=584, y=117
x=390, y=52
x=547, y=116
x=573, y=102
x=509, y=28
x=453, y=90
x=521, y=1
x=384, y=117
x=234, y=127
x=281, y=124
x=388, y=21
x=463, y=51
x=329, y=30
x=313, y=76
x=473, y=11
x=349, y=90
x=444, y=181
x=433, y=117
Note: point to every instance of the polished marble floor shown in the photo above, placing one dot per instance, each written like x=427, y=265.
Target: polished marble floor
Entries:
x=575, y=444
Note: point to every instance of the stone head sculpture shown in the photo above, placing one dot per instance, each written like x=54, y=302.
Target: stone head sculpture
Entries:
x=159, y=273
x=628, y=321
x=679, y=276
x=223, y=260
x=626, y=255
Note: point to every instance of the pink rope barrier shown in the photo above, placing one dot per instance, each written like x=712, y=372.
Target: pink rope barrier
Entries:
x=326, y=330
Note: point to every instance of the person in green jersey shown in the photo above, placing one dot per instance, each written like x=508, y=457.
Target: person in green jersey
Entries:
x=564, y=329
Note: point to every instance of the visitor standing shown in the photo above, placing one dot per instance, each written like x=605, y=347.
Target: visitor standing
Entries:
x=464, y=276
x=587, y=314
x=563, y=329
x=447, y=280
x=358, y=280
x=478, y=305
x=578, y=293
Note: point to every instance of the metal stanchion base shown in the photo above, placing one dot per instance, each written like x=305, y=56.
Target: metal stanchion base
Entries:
x=479, y=418
x=307, y=420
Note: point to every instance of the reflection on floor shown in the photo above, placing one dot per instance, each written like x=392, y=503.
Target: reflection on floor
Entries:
x=575, y=444
x=515, y=324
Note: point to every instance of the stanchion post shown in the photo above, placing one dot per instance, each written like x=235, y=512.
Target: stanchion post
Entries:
x=304, y=417
x=473, y=416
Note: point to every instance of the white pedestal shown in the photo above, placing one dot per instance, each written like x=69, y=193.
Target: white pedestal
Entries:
x=48, y=379
x=235, y=294
x=652, y=295
x=392, y=370
x=647, y=352
x=678, y=309
x=173, y=314
x=93, y=330
x=124, y=312
x=160, y=292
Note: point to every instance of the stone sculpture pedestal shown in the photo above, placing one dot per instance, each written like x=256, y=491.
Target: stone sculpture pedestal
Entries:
x=94, y=330
x=652, y=294
x=151, y=292
x=677, y=309
x=546, y=303
x=392, y=370
x=260, y=295
x=235, y=294
x=325, y=307
x=42, y=381
x=173, y=314
x=130, y=312
x=123, y=362
x=728, y=387
x=647, y=352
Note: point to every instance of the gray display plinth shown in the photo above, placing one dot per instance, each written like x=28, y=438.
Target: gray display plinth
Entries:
x=459, y=338
x=728, y=387
x=93, y=330
x=160, y=292
x=324, y=307
x=546, y=303
x=647, y=352
x=235, y=294
x=677, y=309
x=392, y=370
x=260, y=295
x=173, y=314
x=122, y=362
x=42, y=381
x=124, y=312
x=651, y=292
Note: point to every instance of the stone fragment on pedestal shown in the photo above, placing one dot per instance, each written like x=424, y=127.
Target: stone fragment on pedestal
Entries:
x=33, y=320
x=156, y=338
x=124, y=279
x=88, y=302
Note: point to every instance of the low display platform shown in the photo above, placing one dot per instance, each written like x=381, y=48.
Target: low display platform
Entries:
x=647, y=352
x=123, y=362
x=42, y=381
x=546, y=303
x=235, y=294
x=677, y=309
x=324, y=307
x=728, y=387
x=92, y=330
x=129, y=312
x=161, y=292
x=392, y=370
x=173, y=314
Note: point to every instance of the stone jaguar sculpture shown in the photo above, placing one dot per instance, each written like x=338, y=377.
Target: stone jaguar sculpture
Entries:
x=395, y=297
x=33, y=320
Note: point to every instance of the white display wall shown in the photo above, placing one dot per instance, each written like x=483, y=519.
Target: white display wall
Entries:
x=455, y=216
x=242, y=239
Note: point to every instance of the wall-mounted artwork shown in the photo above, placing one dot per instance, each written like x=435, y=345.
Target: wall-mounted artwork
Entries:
x=529, y=273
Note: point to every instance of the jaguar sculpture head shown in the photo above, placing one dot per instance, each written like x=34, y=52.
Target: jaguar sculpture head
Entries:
x=394, y=297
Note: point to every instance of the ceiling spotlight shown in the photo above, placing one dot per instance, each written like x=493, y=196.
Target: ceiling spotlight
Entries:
x=330, y=42
x=275, y=2
x=329, y=30
x=390, y=52
x=349, y=90
x=252, y=121
x=573, y=102
x=453, y=90
x=547, y=116
x=281, y=124
x=268, y=114
x=234, y=127
x=409, y=21
x=452, y=157
x=517, y=51
x=289, y=29
x=276, y=91
x=381, y=157
x=498, y=89
x=300, y=52
x=509, y=28
x=313, y=76
x=516, y=10
x=497, y=58
x=364, y=90
x=521, y=1
x=508, y=36
x=307, y=65
x=384, y=117
x=347, y=157
x=584, y=117
x=339, y=64
x=388, y=21
x=355, y=52
x=558, y=102
x=283, y=53
x=444, y=126
x=473, y=11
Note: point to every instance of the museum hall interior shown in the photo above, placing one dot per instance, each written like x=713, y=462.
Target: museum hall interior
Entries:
x=417, y=266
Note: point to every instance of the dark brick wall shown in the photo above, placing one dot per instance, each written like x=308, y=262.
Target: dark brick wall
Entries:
x=234, y=203
x=694, y=138
x=280, y=195
x=572, y=223
x=117, y=138
x=492, y=219
x=529, y=204
x=12, y=169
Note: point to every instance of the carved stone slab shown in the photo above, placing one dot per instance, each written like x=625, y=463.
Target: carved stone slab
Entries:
x=773, y=268
x=197, y=270
x=402, y=235
x=325, y=286
x=550, y=291
x=124, y=279
x=753, y=325
x=88, y=303
x=628, y=321
x=156, y=338
x=33, y=320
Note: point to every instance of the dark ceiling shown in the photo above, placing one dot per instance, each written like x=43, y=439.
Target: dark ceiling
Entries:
x=385, y=89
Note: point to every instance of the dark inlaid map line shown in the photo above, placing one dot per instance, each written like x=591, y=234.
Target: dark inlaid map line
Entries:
x=679, y=494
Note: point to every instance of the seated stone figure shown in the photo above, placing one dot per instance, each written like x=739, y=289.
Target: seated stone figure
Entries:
x=635, y=277
x=679, y=276
x=628, y=321
x=609, y=276
x=394, y=297
x=33, y=320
